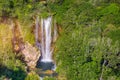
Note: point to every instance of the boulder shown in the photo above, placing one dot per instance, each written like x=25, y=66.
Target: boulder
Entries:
x=31, y=55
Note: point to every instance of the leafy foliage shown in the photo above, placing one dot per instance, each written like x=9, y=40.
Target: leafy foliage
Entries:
x=32, y=76
x=49, y=78
x=85, y=53
x=87, y=49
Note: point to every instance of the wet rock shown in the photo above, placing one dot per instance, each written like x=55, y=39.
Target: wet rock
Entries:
x=31, y=55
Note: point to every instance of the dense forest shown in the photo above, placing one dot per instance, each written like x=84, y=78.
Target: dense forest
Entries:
x=88, y=43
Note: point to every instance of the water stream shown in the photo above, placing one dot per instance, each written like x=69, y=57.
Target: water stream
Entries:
x=45, y=35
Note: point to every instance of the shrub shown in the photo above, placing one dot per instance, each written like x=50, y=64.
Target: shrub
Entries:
x=32, y=76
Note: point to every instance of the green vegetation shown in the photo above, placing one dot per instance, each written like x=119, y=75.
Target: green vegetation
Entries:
x=10, y=66
x=32, y=76
x=88, y=47
x=49, y=78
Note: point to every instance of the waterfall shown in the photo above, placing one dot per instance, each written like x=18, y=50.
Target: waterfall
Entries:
x=45, y=36
x=46, y=39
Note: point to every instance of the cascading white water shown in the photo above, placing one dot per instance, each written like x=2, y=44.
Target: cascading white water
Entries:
x=46, y=35
x=46, y=38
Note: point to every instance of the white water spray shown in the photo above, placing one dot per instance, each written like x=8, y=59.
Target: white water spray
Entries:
x=46, y=38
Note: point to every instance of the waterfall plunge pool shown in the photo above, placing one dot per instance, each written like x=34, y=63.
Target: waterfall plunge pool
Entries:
x=46, y=69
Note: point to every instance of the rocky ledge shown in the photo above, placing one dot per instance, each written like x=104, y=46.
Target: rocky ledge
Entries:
x=31, y=55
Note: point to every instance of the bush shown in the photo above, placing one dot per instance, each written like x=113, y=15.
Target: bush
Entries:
x=81, y=56
x=114, y=35
x=32, y=76
x=49, y=78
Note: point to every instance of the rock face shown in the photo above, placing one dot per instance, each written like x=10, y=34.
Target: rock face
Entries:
x=17, y=39
x=31, y=55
